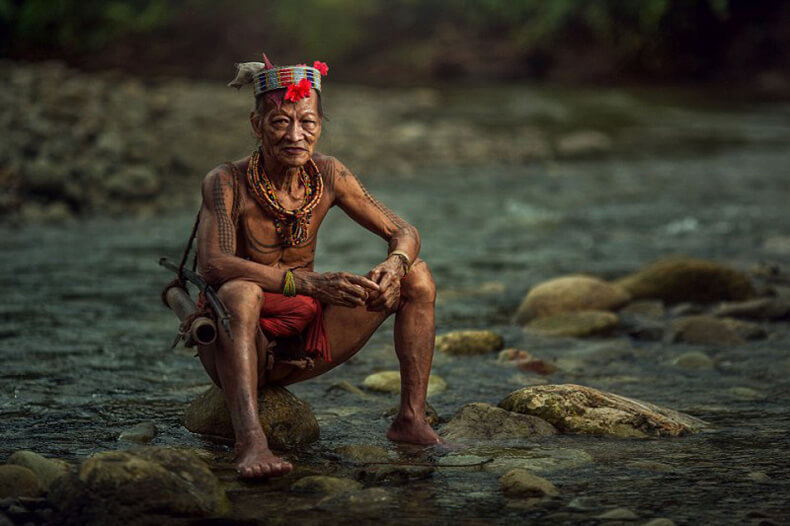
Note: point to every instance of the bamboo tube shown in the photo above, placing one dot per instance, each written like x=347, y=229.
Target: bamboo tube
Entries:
x=202, y=330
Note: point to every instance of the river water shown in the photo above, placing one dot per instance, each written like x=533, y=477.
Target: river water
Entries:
x=84, y=338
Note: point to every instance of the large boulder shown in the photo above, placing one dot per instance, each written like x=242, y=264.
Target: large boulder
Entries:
x=116, y=486
x=483, y=421
x=570, y=294
x=578, y=409
x=676, y=280
x=576, y=324
x=389, y=382
x=18, y=481
x=287, y=421
x=46, y=470
x=467, y=343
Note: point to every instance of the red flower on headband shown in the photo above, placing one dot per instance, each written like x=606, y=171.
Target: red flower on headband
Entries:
x=322, y=68
x=298, y=91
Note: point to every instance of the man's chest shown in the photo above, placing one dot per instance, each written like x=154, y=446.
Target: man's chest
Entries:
x=259, y=240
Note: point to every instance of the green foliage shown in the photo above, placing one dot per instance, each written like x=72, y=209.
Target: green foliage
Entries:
x=80, y=25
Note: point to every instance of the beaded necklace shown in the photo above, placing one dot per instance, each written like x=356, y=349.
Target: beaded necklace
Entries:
x=291, y=225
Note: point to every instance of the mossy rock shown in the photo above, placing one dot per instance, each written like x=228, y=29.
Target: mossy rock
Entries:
x=287, y=421
x=484, y=421
x=571, y=294
x=469, y=343
x=677, y=280
x=580, y=324
x=389, y=382
x=578, y=409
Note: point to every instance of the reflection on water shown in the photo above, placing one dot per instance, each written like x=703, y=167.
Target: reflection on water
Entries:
x=84, y=337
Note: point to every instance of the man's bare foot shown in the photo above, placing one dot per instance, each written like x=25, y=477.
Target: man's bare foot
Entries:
x=254, y=459
x=413, y=431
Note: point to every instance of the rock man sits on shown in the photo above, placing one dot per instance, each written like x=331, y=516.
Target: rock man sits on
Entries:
x=257, y=233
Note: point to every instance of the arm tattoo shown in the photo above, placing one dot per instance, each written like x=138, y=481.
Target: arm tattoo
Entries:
x=389, y=214
x=225, y=228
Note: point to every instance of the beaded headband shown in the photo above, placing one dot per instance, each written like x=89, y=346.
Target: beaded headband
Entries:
x=265, y=77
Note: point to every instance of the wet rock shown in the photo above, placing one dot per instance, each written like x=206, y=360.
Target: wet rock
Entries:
x=570, y=294
x=431, y=416
x=677, y=280
x=142, y=433
x=47, y=470
x=642, y=328
x=467, y=343
x=693, y=360
x=704, y=330
x=347, y=386
x=576, y=324
x=394, y=474
x=618, y=514
x=323, y=485
x=522, y=483
x=389, y=382
x=18, y=481
x=757, y=309
x=578, y=409
x=363, y=453
x=115, y=486
x=583, y=143
x=526, y=361
x=659, y=522
x=500, y=460
x=483, y=421
x=645, y=308
x=287, y=421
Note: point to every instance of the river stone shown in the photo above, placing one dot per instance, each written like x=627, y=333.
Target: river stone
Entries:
x=677, y=280
x=142, y=433
x=704, y=330
x=576, y=324
x=47, y=470
x=467, y=343
x=362, y=501
x=389, y=382
x=584, y=143
x=661, y=521
x=570, y=294
x=500, y=460
x=483, y=421
x=287, y=421
x=522, y=483
x=578, y=409
x=525, y=361
x=757, y=309
x=694, y=360
x=18, y=481
x=745, y=329
x=113, y=486
x=323, y=485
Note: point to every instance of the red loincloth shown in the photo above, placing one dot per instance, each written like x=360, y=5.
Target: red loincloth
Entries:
x=283, y=317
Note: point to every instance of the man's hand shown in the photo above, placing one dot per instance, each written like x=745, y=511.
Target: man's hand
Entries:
x=387, y=275
x=336, y=288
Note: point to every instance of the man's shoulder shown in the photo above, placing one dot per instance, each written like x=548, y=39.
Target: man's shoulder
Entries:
x=228, y=172
x=326, y=163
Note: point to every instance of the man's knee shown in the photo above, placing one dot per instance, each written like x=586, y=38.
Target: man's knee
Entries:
x=418, y=285
x=241, y=297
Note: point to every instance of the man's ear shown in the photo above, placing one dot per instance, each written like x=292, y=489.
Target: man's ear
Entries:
x=256, y=120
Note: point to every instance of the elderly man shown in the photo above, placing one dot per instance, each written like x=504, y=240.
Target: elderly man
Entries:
x=257, y=235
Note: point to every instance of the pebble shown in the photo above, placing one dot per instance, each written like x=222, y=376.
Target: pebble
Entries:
x=469, y=342
x=522, y=483
x=323, y=485
x=693, y=360
x=142, y=433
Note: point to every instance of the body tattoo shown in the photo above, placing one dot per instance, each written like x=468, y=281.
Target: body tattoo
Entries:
x=225, y=229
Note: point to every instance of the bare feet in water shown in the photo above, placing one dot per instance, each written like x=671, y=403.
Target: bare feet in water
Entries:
x=413, y=431
x=254, y=459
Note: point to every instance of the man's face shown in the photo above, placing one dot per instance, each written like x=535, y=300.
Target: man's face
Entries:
x=289, y=133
